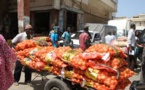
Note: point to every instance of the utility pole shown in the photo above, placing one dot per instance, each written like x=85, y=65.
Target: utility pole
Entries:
x=23, y=14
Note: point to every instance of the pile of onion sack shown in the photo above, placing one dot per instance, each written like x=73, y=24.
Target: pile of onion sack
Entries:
x=121, y=42
x=101, y=66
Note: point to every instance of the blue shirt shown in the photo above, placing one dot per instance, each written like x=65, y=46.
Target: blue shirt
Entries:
x=54, y=38
x=67, y=37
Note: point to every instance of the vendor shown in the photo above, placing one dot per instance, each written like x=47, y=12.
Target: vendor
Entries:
x=18, y=68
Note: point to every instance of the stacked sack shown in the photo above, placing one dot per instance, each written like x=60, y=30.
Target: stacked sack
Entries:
x=101, y=66
x=26, y=49
x=121, y=42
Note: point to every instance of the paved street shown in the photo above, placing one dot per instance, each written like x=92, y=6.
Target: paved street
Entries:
x=38, y=83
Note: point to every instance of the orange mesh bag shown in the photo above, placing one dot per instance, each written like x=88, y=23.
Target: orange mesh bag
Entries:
x=102, y=76
x=25, y=44
x=42, y=41
x=105, y=48
x=42, y=38
x=56, y=70
x=77, y=78
x=123, y=84
x=92, y=55
x=45, y=54
x=115, y=63
x=58, y=63
x=60, y=51
x=78, y=63
x=125, y=73
x=95, y=85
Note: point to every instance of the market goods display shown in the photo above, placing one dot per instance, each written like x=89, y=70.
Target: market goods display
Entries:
x=101, y=66
x=121, y=42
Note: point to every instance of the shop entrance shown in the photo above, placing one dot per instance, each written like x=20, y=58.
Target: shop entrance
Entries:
x=14, y=24
x=42, y=23
x=71, y=21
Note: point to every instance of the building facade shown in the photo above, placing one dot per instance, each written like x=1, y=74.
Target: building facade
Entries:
x=139, y=21
x=43, y=14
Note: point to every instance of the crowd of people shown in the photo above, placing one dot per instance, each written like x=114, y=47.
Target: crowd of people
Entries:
x=8, y=57
x=135, y=51
x=10, y=62
x=135, y=48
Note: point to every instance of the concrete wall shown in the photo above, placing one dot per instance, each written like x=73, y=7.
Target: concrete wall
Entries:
x=93, y=19
x=94, y=11
x=34, y=5
x=112, y=4
x=89, y=11
x=87, y=18
x=138, y=20
x=41, y=4
x=98, y=8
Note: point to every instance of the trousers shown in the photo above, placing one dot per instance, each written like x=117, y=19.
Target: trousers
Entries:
x=131, y=60
x=17, y=72
x=142, y=75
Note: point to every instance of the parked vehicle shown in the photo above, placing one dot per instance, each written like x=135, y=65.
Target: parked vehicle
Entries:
x=97, y=31
x=123, y=25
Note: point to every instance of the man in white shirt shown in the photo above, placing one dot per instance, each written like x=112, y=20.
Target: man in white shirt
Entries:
x=108, y=38
x=18, y=68
x=131, y=44
x=113, y=36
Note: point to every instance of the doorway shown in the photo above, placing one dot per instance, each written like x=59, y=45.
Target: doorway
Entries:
x=14, y=24
x=71, y=21
x=42, y=23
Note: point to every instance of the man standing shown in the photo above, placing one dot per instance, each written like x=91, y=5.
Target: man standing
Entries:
x=18, y=68
x=131, y=44
x=84, y=39
x=54, y=37
x=66, y=37
x=113, y=36
x=108, y=38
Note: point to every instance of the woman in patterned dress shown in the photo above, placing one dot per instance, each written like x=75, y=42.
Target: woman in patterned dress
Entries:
x=7, y=60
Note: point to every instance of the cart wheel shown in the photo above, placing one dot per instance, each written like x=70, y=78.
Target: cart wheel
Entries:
x=57, y=84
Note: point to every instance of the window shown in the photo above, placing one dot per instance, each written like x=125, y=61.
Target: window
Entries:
x=97, y=37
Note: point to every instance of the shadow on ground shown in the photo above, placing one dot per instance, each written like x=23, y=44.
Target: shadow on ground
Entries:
x=39, y=84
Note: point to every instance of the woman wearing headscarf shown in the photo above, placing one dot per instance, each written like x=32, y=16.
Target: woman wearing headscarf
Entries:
x=7, y=60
